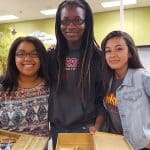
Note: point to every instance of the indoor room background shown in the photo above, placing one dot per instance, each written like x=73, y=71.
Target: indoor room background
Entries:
x=137, y=24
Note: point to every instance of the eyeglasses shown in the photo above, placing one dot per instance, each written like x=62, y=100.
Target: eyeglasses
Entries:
x=33, y=54
x=77, y=21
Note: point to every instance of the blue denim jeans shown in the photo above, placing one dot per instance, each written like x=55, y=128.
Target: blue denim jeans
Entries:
x=56, y=130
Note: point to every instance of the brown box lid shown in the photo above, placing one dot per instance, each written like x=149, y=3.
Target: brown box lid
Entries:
x=108, y=141
x=23, y=141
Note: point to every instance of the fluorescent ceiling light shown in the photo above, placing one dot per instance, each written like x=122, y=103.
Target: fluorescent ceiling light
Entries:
x=117, y=3
x=8, y=17
x=49, y=12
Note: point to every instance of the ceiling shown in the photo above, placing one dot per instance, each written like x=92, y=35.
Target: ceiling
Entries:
x=30, y=9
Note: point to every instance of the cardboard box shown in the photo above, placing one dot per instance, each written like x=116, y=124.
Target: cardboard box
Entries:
x=97, y=141
x=23, y=141
x=74, y=141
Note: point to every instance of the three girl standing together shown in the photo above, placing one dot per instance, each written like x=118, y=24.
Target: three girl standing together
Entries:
x=80, y=76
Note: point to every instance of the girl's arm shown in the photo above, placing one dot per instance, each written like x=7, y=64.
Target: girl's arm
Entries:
x=98, y=124
x=146, y=82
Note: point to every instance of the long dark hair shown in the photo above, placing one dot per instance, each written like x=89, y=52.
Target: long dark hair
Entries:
x=88, y=45
x=133, y=62
x=10, y=79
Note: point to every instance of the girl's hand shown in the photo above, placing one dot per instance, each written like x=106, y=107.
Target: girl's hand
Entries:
x=98, y=124
x=92, y=129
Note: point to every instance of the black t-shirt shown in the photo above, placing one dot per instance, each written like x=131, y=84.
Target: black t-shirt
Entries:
x=112, y=107
x=66, y=107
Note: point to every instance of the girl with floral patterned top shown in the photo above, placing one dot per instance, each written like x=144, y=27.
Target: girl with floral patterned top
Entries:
x=24, y=88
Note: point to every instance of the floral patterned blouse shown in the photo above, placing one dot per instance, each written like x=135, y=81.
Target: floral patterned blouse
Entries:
x=25, y=110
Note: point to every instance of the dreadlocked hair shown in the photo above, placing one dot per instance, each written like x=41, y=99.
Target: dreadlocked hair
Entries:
x=88, y=46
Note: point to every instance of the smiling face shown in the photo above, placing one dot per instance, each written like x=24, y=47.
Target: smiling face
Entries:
x=117, y=55
x=74, y=28
x=28, y=65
